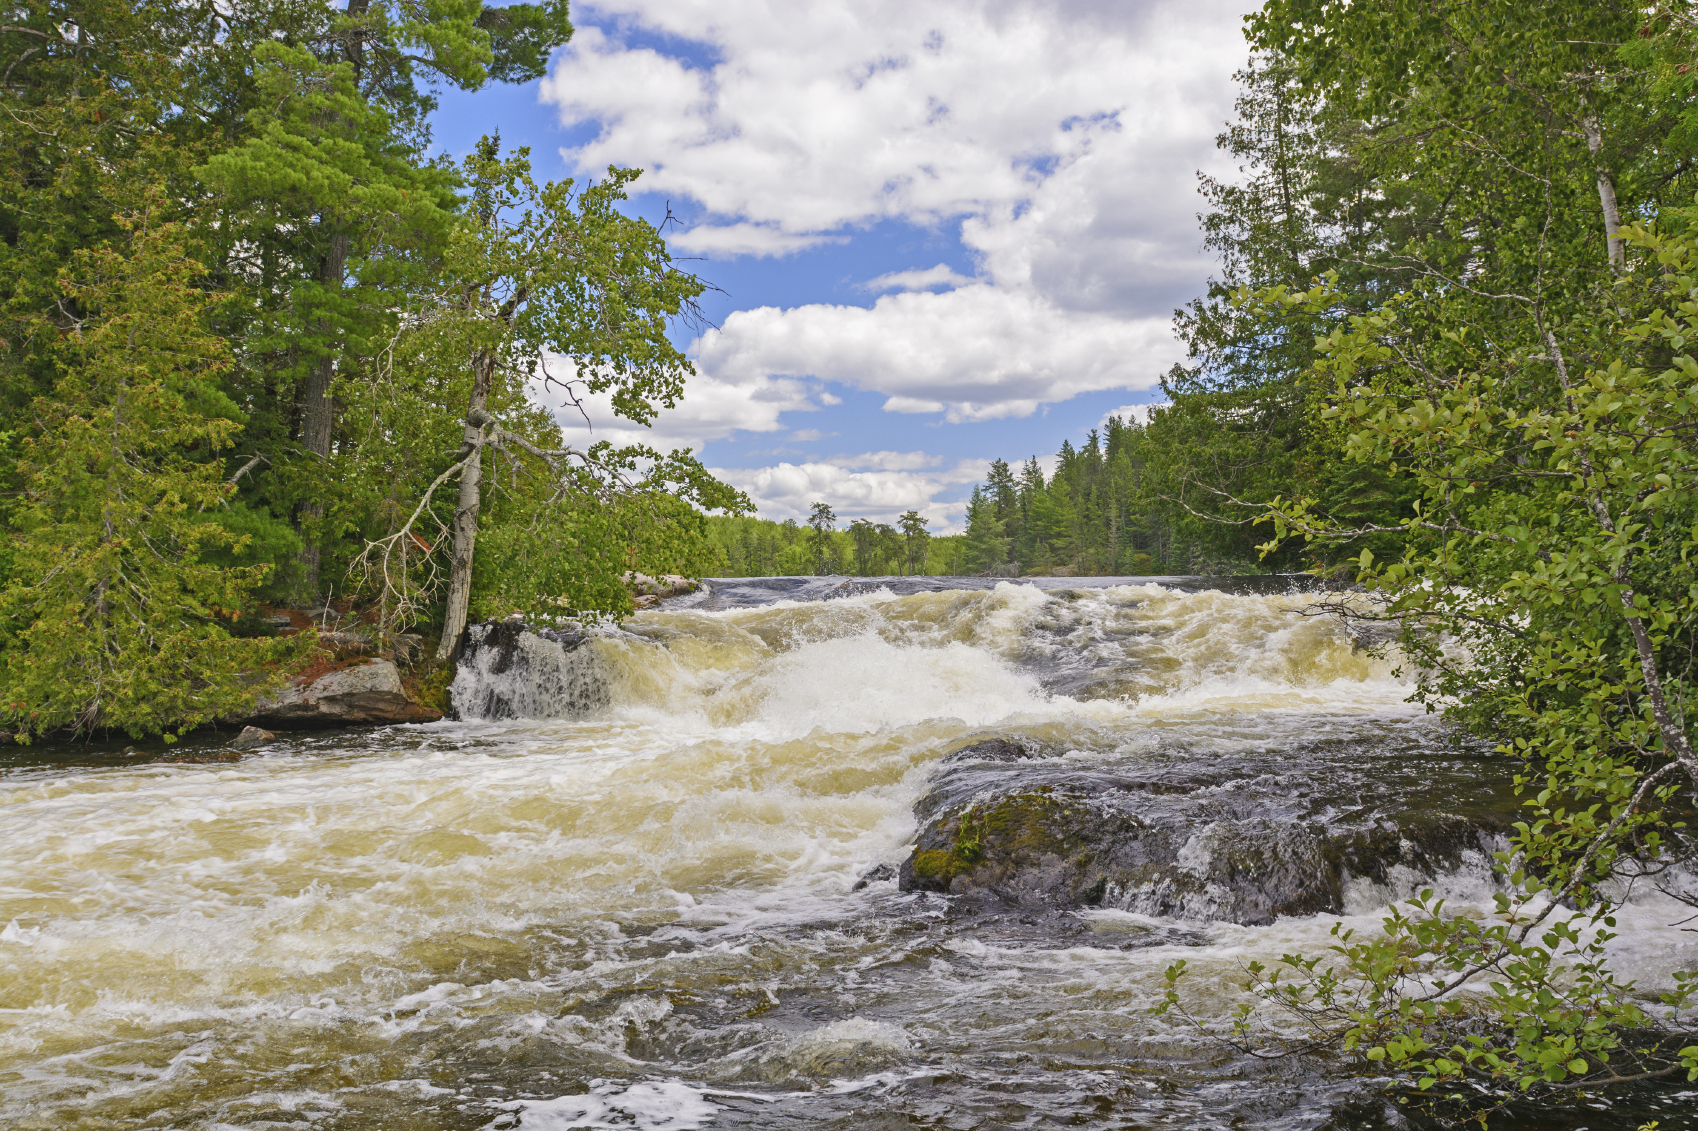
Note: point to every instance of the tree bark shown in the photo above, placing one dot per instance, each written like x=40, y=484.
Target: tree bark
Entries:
x=466, y=514
x=355, y=49
x=1606, y=197
x=318, y=410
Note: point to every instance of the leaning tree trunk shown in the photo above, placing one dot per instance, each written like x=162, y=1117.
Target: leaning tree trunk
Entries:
x=466, y=513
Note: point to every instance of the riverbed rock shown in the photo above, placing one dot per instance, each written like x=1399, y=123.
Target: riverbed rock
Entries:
x=880, y=873
x=252, y=737
x=642, y=585
x=1220, y=839
x=362, y=694
x=991, y=750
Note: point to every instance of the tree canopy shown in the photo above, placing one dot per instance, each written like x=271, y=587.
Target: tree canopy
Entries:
x=1450, y=361
x=250, y=322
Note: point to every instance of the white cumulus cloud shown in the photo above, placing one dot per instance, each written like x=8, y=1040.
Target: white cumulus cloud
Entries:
x=711, y=410
x=1061, y=138
x=942, y=275
x=789, y=490
x=1057, y=139
x=977, y=352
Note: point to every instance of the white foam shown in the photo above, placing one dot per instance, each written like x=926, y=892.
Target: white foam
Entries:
x=864, y=683
x=747, y=768
x=669, y=1104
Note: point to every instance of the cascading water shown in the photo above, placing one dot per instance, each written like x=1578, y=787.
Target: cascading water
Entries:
x=507, y=671
x=654, y=877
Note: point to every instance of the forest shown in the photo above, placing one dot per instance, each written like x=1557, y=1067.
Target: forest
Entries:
x=261, y=349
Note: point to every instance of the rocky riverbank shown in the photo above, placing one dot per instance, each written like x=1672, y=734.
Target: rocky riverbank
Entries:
x=353, y=685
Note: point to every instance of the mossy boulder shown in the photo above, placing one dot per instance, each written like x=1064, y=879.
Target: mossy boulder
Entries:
x=1209, y=840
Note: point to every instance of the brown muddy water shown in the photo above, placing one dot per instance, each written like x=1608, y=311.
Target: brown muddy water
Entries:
x=622, y=891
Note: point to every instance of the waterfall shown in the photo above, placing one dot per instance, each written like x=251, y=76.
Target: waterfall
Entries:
x=508, y=670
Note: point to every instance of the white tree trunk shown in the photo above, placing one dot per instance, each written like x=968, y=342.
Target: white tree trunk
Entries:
x=1606, y=197
x=466, y=514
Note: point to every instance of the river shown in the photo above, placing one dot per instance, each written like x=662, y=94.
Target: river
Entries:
x=630, y=898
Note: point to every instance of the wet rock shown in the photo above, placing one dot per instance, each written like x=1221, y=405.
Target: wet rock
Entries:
x=508, y=669
x=879, y=874
x=363, y=694
x=250, y=738
x=643, y=586
x=1210, y=841
x=991, y=750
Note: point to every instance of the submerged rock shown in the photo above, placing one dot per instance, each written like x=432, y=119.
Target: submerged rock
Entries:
x=362, y=694
x=1208, y=840
x=878, y=874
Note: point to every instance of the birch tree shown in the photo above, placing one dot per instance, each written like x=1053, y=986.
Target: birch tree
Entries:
x=550, y=289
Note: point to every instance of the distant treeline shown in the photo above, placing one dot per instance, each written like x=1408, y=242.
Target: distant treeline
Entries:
x=1117, y=505
x=757, y=547
x=1104, y=511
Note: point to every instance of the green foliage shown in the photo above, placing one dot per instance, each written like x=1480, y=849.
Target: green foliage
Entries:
x=1142, y=499
x=753, y=547
x=1544, y=595
x=290, y=144
x=1492, y=423
x=112, y=616
x=537, y=275
x=823, y=555
x=522, y=36
x=915, y=542
x=987, y=545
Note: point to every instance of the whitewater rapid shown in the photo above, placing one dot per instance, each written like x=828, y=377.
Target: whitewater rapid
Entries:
x=644, y=912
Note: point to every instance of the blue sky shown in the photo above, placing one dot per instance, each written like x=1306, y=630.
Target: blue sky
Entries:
x=943, y=231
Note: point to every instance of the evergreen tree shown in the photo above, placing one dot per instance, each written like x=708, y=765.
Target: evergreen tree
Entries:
x=822, y=521
x=113, y=617
x=914, y=539
x=986, y=544
x=1005, y=493
x=329, y=180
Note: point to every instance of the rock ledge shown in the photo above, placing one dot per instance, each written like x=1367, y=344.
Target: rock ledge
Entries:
x=366, y=694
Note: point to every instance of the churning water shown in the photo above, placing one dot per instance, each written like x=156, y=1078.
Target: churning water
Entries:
x=623, y=891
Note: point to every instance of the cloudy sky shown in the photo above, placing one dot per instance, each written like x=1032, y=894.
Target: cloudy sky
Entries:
x=943, y=230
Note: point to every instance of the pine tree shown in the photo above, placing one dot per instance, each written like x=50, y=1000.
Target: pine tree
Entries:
x=822, y=520
x=914, y=539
